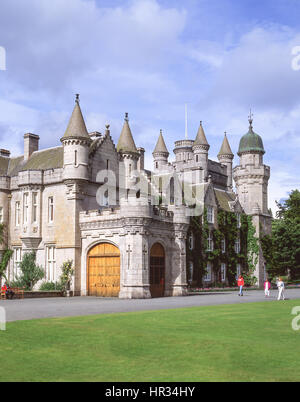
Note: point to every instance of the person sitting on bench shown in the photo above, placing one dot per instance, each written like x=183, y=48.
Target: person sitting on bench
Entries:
x=8, y=291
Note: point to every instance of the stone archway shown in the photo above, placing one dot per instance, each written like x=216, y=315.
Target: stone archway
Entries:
x=103, y=270
x=157, y=270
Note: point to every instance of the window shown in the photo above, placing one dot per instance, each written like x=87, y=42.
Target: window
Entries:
x=50, y=209
x=105, y=199
x=191, y=241
x=210, y=243
x=34, y=207
x=210, y=215
x=223, y=272
x=25, y=207
x=238, y=270
x=75, y=158
x=1, y=214
x=207, y=276
x=237, y=246
x=197, y=158
x=17, y=258
x=107, y=164
x=51, y=263
x=172, y=198
x=238, y=218
x=17, y=213
x=223, y=245
x=191, y=272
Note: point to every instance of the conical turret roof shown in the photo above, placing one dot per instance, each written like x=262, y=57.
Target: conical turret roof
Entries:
x=201, y=138
x=161, y=145
x=76, y=127
x=126, y=141
x=225, y=148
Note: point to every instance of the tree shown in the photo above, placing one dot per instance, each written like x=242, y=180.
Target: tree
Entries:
x=31, y=273
x=281, y=249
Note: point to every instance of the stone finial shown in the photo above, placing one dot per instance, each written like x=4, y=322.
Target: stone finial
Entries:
x=77, y=98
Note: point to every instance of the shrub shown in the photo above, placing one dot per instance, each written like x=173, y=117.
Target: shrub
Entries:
x=31, y=273
x=66, y=276
x=49, y=286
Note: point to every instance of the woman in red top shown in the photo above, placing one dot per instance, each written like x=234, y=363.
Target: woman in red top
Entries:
x=241, y=283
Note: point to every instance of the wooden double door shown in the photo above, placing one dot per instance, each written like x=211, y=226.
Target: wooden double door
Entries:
x=157, y=270
x=104, y=270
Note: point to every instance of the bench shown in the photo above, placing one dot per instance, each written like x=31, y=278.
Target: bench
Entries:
x=18, y=293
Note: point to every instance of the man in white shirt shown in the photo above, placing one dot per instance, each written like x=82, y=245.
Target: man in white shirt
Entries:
x=280, y=285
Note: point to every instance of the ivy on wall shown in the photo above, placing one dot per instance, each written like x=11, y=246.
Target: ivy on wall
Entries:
x=228, y=230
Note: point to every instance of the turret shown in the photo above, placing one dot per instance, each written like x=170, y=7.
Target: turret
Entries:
x=251, y=176
x=225, y=157
x=128, y=152
x=160, y=154
x=76, y=142
x=200, y=150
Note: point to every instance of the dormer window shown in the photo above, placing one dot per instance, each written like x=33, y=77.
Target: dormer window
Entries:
x=210, y=215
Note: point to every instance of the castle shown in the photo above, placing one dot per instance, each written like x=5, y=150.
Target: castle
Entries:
x=126, y=229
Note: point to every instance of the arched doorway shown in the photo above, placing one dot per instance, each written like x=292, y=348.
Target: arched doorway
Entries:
x=157, y=270
x=103, y=270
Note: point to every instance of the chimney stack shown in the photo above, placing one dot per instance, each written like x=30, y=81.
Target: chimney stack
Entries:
x=31, y=144
x=5, y=152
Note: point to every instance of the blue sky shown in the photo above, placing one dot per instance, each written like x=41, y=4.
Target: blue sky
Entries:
x=149, y=58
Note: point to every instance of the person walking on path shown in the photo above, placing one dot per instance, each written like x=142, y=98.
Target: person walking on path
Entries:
x=240, y=283
x=280, y=285
x=267, y=287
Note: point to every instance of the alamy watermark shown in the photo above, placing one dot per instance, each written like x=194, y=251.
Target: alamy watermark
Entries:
x=2, y=319
x=296, y=58
x=168, y=189
x=2, y=58
x=296, y=320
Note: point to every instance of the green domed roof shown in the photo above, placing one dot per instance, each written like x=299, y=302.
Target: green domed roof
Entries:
x=251, y=142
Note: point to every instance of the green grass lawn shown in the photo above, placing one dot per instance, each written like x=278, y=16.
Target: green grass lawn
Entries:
x=241, y=342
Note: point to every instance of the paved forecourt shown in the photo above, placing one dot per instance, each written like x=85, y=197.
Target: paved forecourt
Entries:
x=27, y=309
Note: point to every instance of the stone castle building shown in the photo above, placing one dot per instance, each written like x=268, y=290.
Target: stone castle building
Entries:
x=124, y=227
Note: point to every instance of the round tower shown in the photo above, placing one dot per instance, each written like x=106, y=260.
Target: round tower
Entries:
x=225, y=157
x=251, y=176
x=76, y=142
x=200, y=150
x=160, y=154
